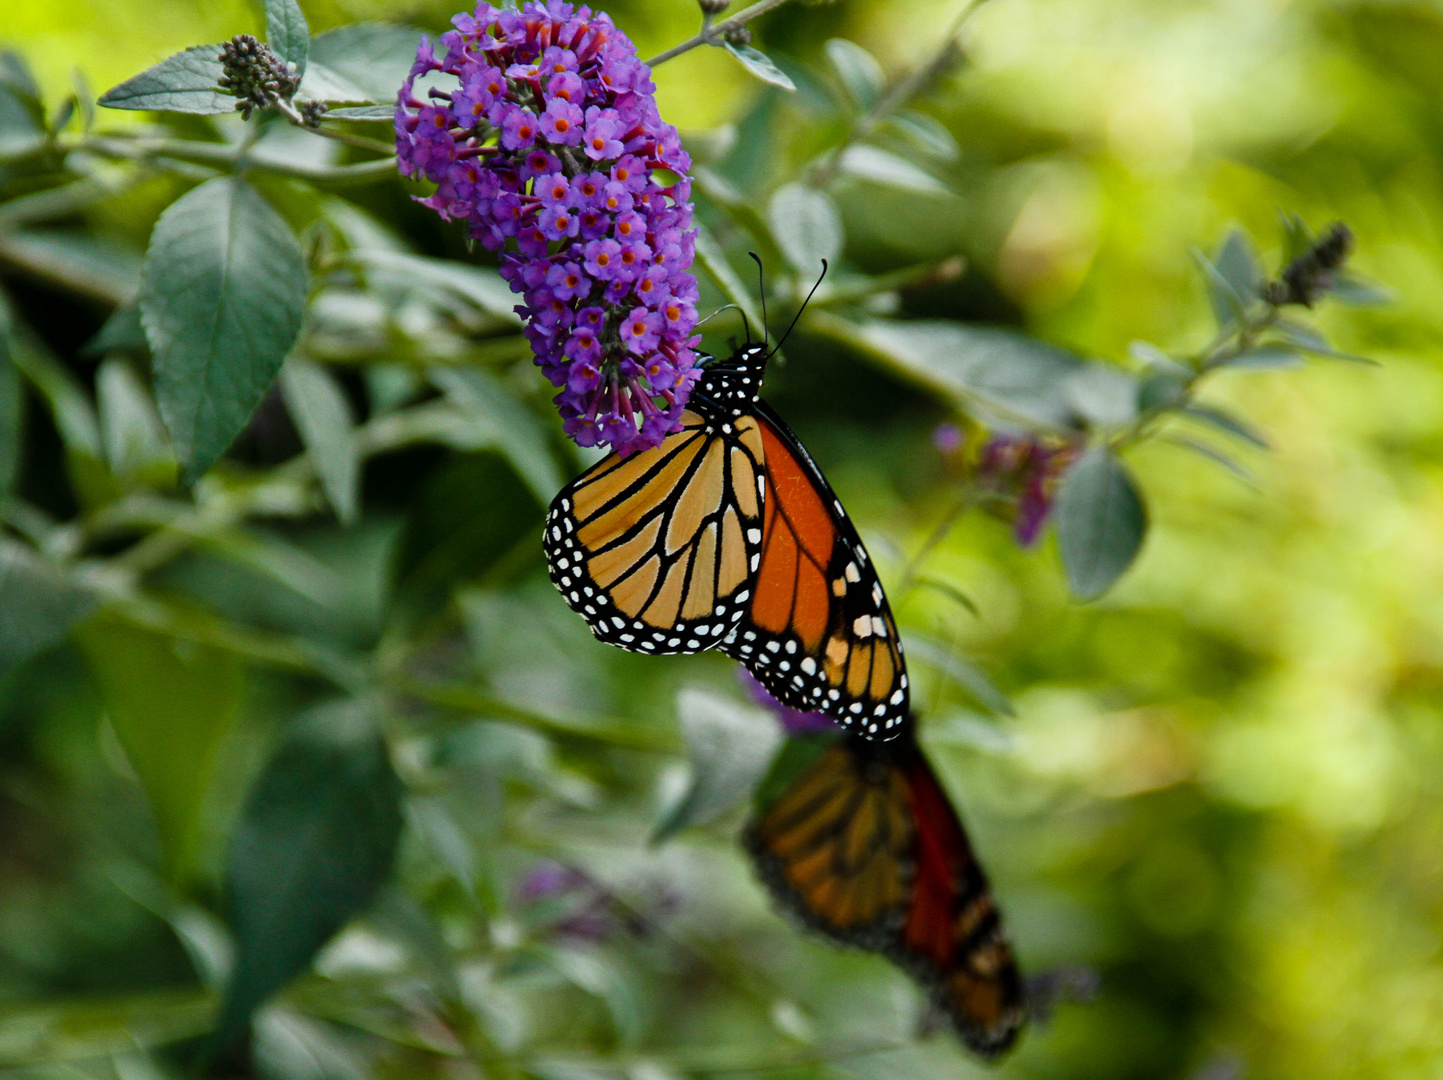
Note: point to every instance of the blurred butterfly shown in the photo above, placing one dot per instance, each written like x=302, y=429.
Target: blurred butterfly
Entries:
x=859, y=841
x=727, y=536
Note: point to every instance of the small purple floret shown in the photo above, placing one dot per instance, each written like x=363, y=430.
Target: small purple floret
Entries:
x=793, y=721
x=553, y=153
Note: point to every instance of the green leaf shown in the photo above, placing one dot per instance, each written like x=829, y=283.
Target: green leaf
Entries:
x=40, y=606
x=1225, y=421
x=479, y=286
x=323, y=84
x=1147, y=353
x=729, y=747
x=12, y=414
x=880, y=167
x=21, y=132
x=962, y=671
x=186, y=82
x=314, y=844
x=1227, y=304
x=134, y=437
x=76, y=261
x=171, y=703
x=1297, y=237
x=1357, y=292
x=1101, y=521
x=122, y=332
x=1266, y=356
x=93, y=1029
x=1214, y=455
x=999, y=374
x=926, y=133
x=760, y=65
x=807, y=227
x=1160, y=390
x=1238, y=265
x=323, y=417
x=857, y=69
x=373, y=57
x=498, y=418
x=223, y=292
x=383, y=113
x=287, y=33
x=714, y=261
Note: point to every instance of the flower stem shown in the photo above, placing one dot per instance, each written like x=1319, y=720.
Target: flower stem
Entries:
x=710, y=35
x=291, y=113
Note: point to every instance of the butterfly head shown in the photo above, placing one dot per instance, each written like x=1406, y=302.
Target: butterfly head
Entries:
x=733, y=383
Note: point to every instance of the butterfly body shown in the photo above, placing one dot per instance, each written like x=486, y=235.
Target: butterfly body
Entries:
x=863, y=845
x=728, y=536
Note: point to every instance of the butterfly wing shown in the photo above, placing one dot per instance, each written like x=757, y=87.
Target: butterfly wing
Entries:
x=864, y=846
x=818, y=634
x=656, y=551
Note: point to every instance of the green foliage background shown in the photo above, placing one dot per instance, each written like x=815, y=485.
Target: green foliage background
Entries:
x=1219, y=791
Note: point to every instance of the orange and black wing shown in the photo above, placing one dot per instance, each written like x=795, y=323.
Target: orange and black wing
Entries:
x=818, y=634
x=864, y=846
x=657, y=551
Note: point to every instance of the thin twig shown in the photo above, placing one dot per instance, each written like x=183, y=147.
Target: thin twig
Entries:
x=291, y=113
x=710, y=35
x=146, y=149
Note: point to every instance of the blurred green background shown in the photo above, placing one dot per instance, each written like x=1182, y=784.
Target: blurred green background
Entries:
x=1220, y=791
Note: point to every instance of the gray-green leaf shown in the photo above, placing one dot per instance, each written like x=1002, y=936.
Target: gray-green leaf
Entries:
x=222, y=295
x=880, y=167
x=373, y=57
x=729, y=747
x=806, y=225
x=925, y=133
x=1225, y=421
x=760, y=65
x=1101, y=521
x=185, y=82
x=287, y=33
x=39, y=604
x=385, y=113
x=496, y=417
x=323, y=417
x=313, y=846
x=962, y=671
x=11, y=415
x=857, y=69
x=1239, y=266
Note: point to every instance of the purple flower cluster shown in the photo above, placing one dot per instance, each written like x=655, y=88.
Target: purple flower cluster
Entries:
x=793, y=721
x=1026, y=470
x=552, y=150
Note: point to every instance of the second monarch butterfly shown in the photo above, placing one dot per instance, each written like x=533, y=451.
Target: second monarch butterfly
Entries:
x=728, y=536
x=859, y=840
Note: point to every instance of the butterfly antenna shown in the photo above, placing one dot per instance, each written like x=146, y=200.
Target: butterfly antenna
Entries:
x=718, y=311
x=761, y=291
x=803, y=308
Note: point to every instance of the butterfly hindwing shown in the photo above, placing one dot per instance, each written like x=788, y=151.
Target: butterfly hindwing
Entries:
x=864, y=846
x=657, y=551
x=819, y=633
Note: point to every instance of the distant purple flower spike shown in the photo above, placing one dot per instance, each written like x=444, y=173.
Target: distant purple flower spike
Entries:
x=551, y=150
x=793, y=721
x=1027, y=470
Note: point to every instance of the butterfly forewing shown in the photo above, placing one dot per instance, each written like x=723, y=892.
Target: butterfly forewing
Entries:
x=657, y=551
x=819, y=633
x=865, y=847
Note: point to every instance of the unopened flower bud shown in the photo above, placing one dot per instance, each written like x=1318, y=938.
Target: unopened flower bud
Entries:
x=713, y=7
x=737, y=35
x=1313, y=272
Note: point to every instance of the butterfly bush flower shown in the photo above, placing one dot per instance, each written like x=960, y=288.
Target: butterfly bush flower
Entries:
x=793, y=721
x=1027, y=471
x=553, y=153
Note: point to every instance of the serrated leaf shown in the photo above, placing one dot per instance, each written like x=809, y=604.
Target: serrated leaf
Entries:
x=729, y=747
x=1101, y=522
x=1238, y=265
x=223, y=292
x=322, y=415
x=857, y=69
x=962, y=671
x=880, y=167
x=760, y=65
x=39, y=604
x=170, y=703
x=1225, y=421
x=373, y=57
x=186, y=82
x=806, y=225
x=313, y=846
x=926, y=133
x=287, y=33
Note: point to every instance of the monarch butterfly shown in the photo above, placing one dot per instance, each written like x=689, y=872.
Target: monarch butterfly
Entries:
x=859, y=840
x=728, y=536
